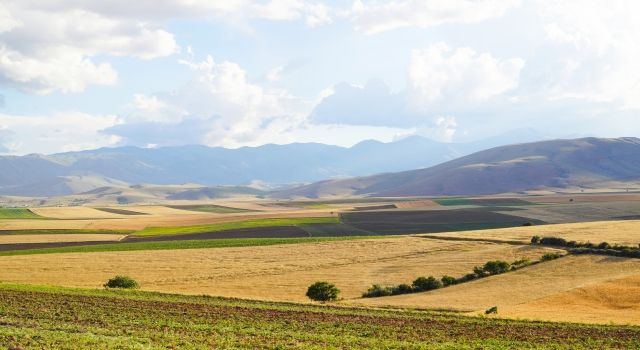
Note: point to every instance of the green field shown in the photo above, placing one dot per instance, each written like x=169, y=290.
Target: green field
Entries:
x=54, y=318
x=18, y=213
x=155, y=231
x=210, y=208
x=179, y=244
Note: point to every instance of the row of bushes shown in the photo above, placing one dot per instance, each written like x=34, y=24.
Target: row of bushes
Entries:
x=423, y=284
x=602, y=248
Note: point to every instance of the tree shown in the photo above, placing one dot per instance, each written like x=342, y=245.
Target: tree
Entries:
x=448, y=280
x=122, y=282
x=323, y=292
x=426, y=283
x=496, y=267
x=535, y=239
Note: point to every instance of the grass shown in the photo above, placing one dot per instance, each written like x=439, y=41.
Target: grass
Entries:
x=18, y=213
x=64, y=232
x=210, y=208
x=155, y=231
x=36, y=317
x=186, y=244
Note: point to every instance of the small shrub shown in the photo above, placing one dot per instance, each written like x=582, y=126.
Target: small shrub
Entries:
x=377, y=290
x=491, y=310
x=553, y=241
x=528, y=223
x=426, y=283
x=550, y=256
x=466, y=278
x=401, y=289
x=448, y=280
x=121, y=282
x=323, y=292
x=479, y=272
x=604, y=245
x=496, y=267
x=520, y=263
x=535, y=239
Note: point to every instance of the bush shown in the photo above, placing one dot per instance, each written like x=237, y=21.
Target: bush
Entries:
x=553, y=241
x=550, y=256
x=491, y=310
x=479, y=272
x=377, y=290
x=448, y=280
x=528, y=223
x=322, y=291
x=520, y=263
x=535, y=239
x=401, y=289
x=496, y=267
x=122, y=282
x=426, y=283
x=466, y=278
x=604, y=245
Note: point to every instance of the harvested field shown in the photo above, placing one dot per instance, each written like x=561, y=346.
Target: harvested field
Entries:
x=613, y=232
x=489, y=201
x=584, y=198
x=121, y=211
x=36, y=318
x=51, y=238
x=581, y=212
x=274, y=272
x=426, y=221
x=513, y=292
x=74, y=213
x=416, y=204
x=209, y=208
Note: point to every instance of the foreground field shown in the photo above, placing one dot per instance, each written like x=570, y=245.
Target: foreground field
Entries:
x=274, y=272
x=540, y=291
x=37, y=317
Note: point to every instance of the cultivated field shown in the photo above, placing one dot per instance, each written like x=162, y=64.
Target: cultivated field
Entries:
x=278, y=272
x=95, y=319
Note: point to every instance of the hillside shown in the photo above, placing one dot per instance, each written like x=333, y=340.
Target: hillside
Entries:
x=586, y=162
x=76, y=172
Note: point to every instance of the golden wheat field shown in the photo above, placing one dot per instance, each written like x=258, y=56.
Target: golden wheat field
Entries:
x=615, y=232
x=538, y=291
x=58, y=238
x=281, y=272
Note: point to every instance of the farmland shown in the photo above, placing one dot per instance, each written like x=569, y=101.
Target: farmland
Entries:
x=65, y=318
x=18, y=213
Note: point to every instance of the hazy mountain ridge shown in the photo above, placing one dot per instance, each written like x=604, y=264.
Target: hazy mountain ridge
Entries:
x=582, y=162
x=75, y=172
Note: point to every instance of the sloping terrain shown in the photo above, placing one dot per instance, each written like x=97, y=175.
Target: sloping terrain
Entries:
x=575, y=163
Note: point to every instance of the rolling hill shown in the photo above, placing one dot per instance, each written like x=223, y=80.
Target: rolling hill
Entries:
x=76, y=172
x=586, y=162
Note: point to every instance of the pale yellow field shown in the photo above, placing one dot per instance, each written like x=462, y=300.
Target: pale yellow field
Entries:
x=159, y=216
x=272, y=273
x=51, y=238
x=74, y=213
x=620, y=232
x=541, y=291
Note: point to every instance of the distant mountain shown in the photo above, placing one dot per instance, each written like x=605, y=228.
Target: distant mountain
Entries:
x=76, y=172
x=586, y=162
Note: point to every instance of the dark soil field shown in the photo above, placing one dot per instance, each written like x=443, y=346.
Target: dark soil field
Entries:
x=428, y=221
x=39, y=317
x=120, y=211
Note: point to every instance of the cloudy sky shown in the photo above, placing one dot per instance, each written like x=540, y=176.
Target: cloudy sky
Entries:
x=81, y=74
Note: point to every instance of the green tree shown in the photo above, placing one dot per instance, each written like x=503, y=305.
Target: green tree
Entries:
x=323, y=292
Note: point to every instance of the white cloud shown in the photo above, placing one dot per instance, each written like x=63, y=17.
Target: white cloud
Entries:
x=597, y=50
x=440, y=74
x=373, y=17
x=70, y=131
x=220, y=103
x=52, y=46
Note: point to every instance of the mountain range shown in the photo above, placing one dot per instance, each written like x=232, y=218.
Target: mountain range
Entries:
x=557, y=164
x=122, y=167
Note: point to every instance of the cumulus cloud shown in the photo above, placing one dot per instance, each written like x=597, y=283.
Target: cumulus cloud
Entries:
x=53, y=45
x=441, y=74
x=373, y=17
x=219, y=106
x=71, y=131
x=596, y=46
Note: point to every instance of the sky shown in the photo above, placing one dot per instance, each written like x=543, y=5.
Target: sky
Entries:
x=84, y=74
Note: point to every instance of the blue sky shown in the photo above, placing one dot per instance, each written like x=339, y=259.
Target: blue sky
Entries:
x=85, y=74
